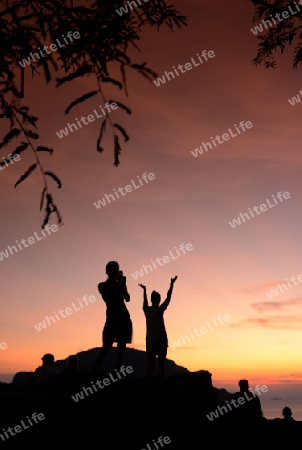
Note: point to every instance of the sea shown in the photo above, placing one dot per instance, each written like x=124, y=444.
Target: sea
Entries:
x=276, y=398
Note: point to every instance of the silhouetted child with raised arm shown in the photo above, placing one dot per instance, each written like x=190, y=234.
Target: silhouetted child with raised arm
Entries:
x=118, y=326
x=156, y=338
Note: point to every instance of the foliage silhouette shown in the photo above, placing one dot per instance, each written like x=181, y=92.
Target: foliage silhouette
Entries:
x=105, y=39
x=277, y=37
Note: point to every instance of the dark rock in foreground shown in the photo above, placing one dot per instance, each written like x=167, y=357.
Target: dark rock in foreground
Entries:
x=135, y=358
x=131, y=413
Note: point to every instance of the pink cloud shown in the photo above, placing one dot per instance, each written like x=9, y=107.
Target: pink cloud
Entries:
x=279, y=306
x=281, y=322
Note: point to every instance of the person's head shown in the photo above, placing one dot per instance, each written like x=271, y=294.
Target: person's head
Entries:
x=243, y=385
x=48, y=359
x=287, y=412
x=155, y=298
x=204, y=379
x=112, y=269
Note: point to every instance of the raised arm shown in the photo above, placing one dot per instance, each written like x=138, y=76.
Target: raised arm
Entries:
x=145, y=302
x=165, y=304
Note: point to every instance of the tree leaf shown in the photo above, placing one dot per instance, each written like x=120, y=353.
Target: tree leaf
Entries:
x=117, y=150
x=54, y=177
x=26, y=174
x=121, y=105
x=47, y=216
x=9, y=136
x=44, y=149
x=112, y=80
x=55, y=209
x=80, y=100
x=145, y=71
x=32, y=120
x=31, y=134
x=18, y=150
x=122, y=130
x=78, y=73
x=42, y=199
x=123, y=72
x=47, y=209
x=102, y=130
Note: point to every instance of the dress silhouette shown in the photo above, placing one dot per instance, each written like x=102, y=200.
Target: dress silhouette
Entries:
x=156, y=337
x=118, y=325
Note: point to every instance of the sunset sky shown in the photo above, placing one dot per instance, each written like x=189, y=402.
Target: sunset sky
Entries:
x=191, y=200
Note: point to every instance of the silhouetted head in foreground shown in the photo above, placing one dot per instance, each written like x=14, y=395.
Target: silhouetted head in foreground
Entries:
x=155, y=298
x=203, y=379
x=112, y=269
x=243, y=385
x=48, y=359
x=47, y=371
x=287, y=414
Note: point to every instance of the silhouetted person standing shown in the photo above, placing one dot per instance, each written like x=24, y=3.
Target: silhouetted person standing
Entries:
x=250, y=410
x=287, y=414
x=156, y=338
x=118, y=326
